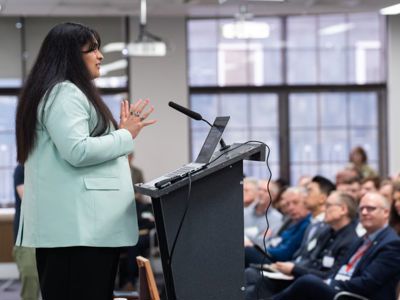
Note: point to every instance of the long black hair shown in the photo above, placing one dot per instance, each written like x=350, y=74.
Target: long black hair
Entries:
x=59, y=59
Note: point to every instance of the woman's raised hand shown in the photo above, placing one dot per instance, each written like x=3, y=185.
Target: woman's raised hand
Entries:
x=133, y=117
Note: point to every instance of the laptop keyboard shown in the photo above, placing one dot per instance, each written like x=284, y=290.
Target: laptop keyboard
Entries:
x=182, y=171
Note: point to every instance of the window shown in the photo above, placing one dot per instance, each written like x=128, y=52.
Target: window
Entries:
x=216, y=60
x=326, y=126
x=7, y=147
x=312, y=89
x=253, y=117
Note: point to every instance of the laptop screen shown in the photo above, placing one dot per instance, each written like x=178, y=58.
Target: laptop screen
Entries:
x=212, y=140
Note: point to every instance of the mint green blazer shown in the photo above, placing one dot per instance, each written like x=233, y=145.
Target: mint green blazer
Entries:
x=78, y=188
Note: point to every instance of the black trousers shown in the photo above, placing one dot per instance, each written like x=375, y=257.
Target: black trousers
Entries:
x=77, y=273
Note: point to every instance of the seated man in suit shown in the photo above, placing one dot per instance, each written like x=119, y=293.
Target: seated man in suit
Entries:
x=282, y=247
x=372, y=266
x=321, y=256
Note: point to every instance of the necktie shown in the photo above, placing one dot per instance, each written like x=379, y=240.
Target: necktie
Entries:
x=359, y=253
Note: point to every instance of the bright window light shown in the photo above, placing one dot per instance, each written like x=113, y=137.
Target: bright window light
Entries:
x=245, y=30
x=391, y=10
x=335, y=29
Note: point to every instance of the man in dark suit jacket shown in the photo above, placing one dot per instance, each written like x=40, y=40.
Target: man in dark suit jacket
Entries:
x=372, y=268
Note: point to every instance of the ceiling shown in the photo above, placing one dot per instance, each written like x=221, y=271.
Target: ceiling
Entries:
x=190, y=8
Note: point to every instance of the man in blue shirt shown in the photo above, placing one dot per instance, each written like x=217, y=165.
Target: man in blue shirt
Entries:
x=282, y=247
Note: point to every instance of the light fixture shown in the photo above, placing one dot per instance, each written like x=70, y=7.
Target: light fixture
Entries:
x=147, y=44
x=223, y=1
x=243, y=28
x=391, y=10
x=335, y=29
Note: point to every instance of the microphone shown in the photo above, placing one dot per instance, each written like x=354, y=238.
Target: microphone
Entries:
x=194, y=115
x=186, y=111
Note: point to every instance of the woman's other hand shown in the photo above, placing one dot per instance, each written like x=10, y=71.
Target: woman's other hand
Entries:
x=133, y=117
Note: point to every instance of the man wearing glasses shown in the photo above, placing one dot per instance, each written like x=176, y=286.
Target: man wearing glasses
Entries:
x=372, y=268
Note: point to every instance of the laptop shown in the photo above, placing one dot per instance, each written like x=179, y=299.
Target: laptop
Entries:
x=205, y=154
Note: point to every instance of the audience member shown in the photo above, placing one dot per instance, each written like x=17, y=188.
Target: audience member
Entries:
x=249, y=191
x=321, y=258
x=386, y=189
x=304, y=180
x=346, y=174
x=370, y=184
x=372, y=266
x=256, y=223
x=359, y=160
x=249, y=199
x=395, y=209
x=282, y=247
x=318, y=191
x=24, y=256
x=351, y=186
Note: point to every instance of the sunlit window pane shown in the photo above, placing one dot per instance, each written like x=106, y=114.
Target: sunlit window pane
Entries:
x=235, y=106
x=363, y=109
x=333, y=109
x=304, y=146
x=202, y=68
x=202, y=34
x=334, y=146
x=302, y=66
x=8, y=149
x=262, y=110
x=303, y=110
x=344, y=120
x=253, y=117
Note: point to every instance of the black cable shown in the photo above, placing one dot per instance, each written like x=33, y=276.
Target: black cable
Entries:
x=266, y=218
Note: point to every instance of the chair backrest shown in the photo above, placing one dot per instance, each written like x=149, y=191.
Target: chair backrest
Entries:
x=148, y=288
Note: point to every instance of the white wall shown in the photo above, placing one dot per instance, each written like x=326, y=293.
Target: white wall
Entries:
x=394, y=93
x=164, y=146
x=10, y=49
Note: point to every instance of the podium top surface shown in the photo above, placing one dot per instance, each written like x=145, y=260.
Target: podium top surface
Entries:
x=220, y=159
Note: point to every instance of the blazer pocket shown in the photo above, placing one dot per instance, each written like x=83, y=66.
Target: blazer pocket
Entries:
x=102, y=183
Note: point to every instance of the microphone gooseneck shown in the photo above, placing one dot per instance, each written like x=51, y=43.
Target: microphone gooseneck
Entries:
x=194, y=115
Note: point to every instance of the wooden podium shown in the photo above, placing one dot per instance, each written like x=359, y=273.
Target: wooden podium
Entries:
x=208, y=259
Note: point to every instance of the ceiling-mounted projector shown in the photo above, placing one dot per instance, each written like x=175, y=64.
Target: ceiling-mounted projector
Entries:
x=147, y=44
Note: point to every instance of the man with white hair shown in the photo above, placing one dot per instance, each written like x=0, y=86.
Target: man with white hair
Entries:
x=372, y=267
x=282, y=247
x=255, y=220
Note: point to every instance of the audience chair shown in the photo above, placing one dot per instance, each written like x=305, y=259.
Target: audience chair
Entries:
x=148, y=288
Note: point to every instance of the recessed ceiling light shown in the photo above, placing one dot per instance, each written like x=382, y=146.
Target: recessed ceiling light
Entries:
x=391, y=10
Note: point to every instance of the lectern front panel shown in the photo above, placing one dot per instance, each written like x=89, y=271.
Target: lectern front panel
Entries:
x=208, y=260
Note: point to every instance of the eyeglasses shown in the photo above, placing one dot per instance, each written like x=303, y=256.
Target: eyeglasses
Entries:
x=369, y=208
